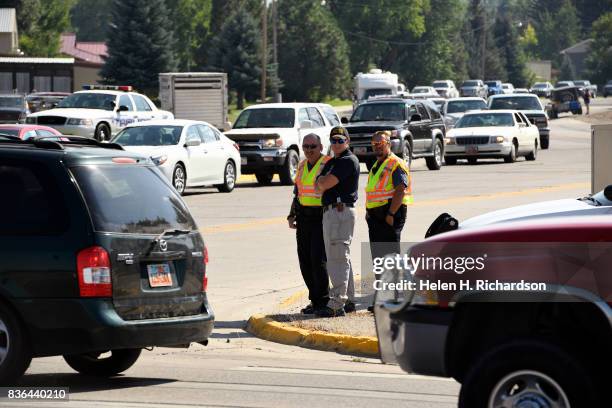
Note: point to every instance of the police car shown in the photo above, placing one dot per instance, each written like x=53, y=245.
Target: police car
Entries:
x=99, y=111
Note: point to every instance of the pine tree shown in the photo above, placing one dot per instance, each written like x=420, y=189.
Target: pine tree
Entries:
x=599, y=60
x=508, y=43
x=140, y=44
x=236, y=51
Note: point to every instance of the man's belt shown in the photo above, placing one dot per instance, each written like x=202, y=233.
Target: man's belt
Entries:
x=339, y=206
x=310, y=211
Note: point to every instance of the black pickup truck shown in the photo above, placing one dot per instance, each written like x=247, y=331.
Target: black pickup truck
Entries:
x=417, y=129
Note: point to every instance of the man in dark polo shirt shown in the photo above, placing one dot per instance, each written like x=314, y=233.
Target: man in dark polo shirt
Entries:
x=339, y=182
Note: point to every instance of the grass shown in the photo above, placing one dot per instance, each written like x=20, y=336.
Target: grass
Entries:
x=338, y=102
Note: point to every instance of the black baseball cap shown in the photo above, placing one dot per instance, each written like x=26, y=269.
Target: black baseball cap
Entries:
x=339, y=131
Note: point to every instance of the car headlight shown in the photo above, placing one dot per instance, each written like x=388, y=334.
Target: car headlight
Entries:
x=450, y=140
x=498, y=139
x=79, y=122
x=268, y=143
x=159, y=160
x=395, y=134
x=31, y=120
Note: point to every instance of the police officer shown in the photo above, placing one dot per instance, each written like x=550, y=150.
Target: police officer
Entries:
x=306, y=217
x=388, y=193
x=339, y=183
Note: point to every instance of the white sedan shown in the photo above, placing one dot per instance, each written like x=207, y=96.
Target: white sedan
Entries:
x=189, y=153
x=503, y=134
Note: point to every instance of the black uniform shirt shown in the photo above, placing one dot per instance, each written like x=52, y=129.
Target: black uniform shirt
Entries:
x=346, y=169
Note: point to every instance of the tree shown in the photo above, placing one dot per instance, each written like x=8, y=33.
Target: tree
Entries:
x=90, y=19
x=190, y=20
x=508, y=43
x=140, y=44
x=591, y=10
x=558, y=29
x=312, y=52
x=599, y=61
x=529, y=42
x=236, y=51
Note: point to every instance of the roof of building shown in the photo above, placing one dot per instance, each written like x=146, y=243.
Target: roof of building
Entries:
x=8, y=20
x=35, y=60
x=92, y=52
x=582, y=46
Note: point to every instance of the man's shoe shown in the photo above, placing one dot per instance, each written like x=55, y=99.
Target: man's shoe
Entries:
x=308, y=310
x=349, y=307
x=371, y=309
x=329, y=312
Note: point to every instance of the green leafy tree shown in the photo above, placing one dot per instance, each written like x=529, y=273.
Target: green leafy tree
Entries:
x=529, y=42
x=140, y=44
x=236, y=51
x=591, y=10
x=312, y=52
x=90, y=19
x=509, y=46
x=190, y=21
x=558, y=29
x=599, y=61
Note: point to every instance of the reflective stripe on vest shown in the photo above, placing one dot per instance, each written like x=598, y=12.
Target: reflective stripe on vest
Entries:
x=305, y=180
x=380, y=190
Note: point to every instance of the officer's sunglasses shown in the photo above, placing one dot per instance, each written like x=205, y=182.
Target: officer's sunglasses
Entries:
x=382, y=143
x=337, y=140
x=309, y=146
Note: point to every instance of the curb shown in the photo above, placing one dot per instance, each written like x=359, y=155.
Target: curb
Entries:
x=268, y=329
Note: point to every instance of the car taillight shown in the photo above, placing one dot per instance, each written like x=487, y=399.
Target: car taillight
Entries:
x=205, y=278
x=94, y=270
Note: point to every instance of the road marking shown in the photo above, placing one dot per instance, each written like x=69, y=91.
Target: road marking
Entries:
x=213, y=229
x=341, y=373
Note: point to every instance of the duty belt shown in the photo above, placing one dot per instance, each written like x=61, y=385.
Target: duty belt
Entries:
x=339, y=206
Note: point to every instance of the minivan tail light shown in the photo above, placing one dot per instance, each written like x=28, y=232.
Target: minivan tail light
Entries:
x=94, y=270
x=205, y=278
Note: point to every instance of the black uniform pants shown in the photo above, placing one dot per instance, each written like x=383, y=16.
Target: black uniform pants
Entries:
x=311, y=254
x=384, y=238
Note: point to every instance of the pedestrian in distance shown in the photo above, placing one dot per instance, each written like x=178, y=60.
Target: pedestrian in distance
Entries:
x=587, y=99
x=339, y=182
x=306, y=217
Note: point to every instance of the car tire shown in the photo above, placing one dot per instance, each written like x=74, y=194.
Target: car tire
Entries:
x=229, y=178
x=102, y=132
x=265, y=179
x=289, y=170
x=435, y=162
x=544, y=140
x=511, y=157
x=450, y=161
x=505, y=372
x=472, y=160
x=407, y=153
x=179, y=179
x=16, y=351
x=92, y=364
x=533, y=154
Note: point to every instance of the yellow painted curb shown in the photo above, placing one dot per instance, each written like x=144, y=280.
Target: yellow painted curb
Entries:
x=268, y=329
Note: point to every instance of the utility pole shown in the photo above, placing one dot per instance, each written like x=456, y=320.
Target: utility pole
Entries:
x=483, y=37
x=264, y=49
x=275, y=51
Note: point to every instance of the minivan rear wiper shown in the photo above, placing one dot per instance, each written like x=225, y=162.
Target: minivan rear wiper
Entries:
x=162, y=235
x=595, y=202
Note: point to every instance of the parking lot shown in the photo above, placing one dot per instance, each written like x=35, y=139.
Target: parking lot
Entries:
x=253, y=267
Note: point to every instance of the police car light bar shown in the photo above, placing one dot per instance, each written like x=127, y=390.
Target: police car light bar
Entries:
x=125, y=88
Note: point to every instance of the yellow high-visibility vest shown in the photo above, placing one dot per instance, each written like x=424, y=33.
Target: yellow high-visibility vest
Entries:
x=305, y=182
x=380, y=190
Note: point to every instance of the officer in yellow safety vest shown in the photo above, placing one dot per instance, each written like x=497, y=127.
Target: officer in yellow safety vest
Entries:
x=388, y=193
x=306, y=216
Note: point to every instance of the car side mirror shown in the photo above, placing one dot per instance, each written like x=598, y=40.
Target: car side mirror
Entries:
x=123, y=108
x=227, y=126
x=608, y=192
x=306, y=124
x=415, y=118
x=193, y=143
x=344, y=120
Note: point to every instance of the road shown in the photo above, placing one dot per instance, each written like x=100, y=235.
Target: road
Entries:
x=253, y=266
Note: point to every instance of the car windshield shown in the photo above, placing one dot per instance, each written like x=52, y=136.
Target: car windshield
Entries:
x=485, y=119
x=540, y=85
x=470, y=83
x=131, y=199
x=11, y=102
x=379, y=112
x=376, y=92
x=440, y=85
x=581, y=83
x=462, y=106
x=420, y=89
x=152, y=135
x=266, y=118
x=506, y=86
x=491, y=83
x=516, y=103
x=439, y=103
x=9, y=132
x=89, y=101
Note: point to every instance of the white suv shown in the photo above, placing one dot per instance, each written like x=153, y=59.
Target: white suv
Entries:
x=270, y=137
x=446, y=88
x=99, y=112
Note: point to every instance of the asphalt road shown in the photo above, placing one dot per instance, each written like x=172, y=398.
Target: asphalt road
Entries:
x=253, y=267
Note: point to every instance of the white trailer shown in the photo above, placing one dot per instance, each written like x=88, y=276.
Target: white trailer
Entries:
x=376, y=82
x=195, y=95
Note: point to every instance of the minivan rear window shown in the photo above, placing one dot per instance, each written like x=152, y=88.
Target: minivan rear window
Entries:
x=131, y=199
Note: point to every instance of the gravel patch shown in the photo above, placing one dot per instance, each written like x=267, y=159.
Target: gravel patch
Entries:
x=353, y=324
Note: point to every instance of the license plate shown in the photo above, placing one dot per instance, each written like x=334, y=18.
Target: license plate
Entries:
x=243, y=161
x=159, y=275
x=360, y=150
x=471, y=150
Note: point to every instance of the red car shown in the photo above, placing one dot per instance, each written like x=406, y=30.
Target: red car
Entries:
x=27, y=131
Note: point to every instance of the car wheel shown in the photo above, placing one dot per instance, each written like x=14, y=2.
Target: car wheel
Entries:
x=289, y=170
x=450, y=161
x=544, y=141
x=533, y=154
x=179, y=179
x=15, y=352
x=229, y=178
x=472, y=160
x=98, y=365
x=527, y=374
x=264, y=178
x=102, y=132
x=435, y=162
x=511, y=157
x=406, y=154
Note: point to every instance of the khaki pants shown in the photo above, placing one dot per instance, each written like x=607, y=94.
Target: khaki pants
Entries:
x=337, y=234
